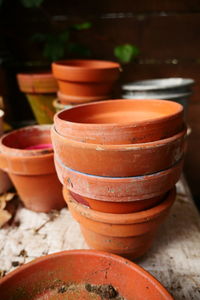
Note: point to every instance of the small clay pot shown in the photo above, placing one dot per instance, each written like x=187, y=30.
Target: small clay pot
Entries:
x=115, y=207
x=125, y=234
x=118, y=189
x=40, y=90
x=27, y=156
x=85, y=80
x=131, y=160
x=73, y=274
x=120, y=121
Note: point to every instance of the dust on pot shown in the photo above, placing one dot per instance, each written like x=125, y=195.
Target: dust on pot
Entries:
x=125, y=234
x=118, y=189
x=131, y=160
x=27, y=156
x=85, y=80
x=40, y=90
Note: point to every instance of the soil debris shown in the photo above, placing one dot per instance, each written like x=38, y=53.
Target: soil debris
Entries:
x=105, y=291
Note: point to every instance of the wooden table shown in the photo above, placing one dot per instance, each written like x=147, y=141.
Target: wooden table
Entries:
x=174, y=258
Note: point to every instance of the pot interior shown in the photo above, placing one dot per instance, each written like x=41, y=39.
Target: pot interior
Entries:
x=29, y=138
x=81, y=275
x=121, y=112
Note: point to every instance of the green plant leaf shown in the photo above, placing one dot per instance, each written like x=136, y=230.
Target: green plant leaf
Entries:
x=82, y=26
x=31, y=3
x=126, y=52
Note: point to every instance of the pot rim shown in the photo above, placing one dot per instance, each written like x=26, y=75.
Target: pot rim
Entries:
x=129, y=218
x=143, y=84
x=101, y=254
x=179, y=107
x=121, y=147
x=9, y=151
x=142, y=95
x=98, y=64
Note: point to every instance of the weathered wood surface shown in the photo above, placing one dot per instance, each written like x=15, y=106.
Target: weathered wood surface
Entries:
x=174, y=258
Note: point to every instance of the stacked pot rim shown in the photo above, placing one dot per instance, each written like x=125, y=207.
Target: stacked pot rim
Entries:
x=82, y=81
x=119, y=158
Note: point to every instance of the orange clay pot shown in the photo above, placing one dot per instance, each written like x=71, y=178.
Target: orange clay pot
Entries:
x=121, y=121
x=118, y=189
x=85, y=80
x=32, y=171
x=37, y=83
x=115, y=207
x=40, y=91
x=131, y=160
x=126, y=234
x=51, y=276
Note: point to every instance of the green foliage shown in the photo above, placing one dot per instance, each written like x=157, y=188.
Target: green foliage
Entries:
x=82, y=26
x=55, y=46
x=126, y=53
x=31, y=3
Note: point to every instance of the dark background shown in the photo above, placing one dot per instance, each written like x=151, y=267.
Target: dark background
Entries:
x=167, y=34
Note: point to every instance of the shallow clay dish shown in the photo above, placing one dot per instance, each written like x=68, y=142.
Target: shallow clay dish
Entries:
x=118, y=189
x=115, y=207
x=119, y=160
x=125, y=234
x=79, y=275
x=121, y=121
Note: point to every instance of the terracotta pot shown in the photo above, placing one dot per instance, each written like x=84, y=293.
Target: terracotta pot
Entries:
x=58, y=106
x=130, y=234
x=5, y=183
x=131, y=160
x=32, y=171
x=121, y=121
x=85, y=80
x=49, y=277
x=118, y=189
x=115, y=207
x=40, y=91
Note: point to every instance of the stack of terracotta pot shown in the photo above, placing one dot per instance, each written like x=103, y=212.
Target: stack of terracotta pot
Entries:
x=119, y=161
x=82, y=81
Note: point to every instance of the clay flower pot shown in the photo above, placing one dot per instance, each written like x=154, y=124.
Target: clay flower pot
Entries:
x=40, y=90
x=92, y=273
x=85, y=80
x=5, y=183
x=125, y=234
x=27, y=156
x=131, y=160
x=118, y=189
x=120, y=121
x=115, y=207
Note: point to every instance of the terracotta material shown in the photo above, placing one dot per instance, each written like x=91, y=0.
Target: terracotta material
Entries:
x=85, y=80
x=37, y=83
x=118, y=189
x=58, y=106
x=5, y=183
x=127, y=234
x=40, y=91
x=32, y=171
x=44, y=277
x=115, y=207
x=121, y=121
x=131, y=160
